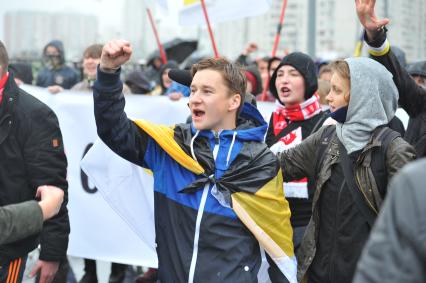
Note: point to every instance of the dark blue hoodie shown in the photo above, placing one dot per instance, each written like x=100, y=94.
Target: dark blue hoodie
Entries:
x=59, y=74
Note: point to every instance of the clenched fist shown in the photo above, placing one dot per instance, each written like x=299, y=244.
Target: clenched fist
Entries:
x=114, y=54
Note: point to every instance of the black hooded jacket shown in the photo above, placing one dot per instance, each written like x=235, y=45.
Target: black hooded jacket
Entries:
x=62, y=75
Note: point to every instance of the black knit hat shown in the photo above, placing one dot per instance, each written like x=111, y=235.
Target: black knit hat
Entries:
x=306, y=67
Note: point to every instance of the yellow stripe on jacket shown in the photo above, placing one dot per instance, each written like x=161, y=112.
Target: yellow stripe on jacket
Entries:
x=164, y=136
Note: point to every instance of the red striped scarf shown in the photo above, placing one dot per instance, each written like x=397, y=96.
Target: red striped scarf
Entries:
x=300, y=112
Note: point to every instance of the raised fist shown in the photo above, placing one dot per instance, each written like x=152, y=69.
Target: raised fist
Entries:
x=114, y=54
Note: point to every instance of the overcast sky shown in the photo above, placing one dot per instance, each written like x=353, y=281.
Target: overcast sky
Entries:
x=105, y=10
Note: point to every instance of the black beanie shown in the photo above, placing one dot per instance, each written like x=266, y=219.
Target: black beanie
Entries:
x=306, y=67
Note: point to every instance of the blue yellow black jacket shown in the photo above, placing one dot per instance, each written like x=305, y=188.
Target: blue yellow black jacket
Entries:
x=211, y=212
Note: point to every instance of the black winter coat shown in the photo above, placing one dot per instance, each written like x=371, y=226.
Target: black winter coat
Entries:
x=31, y=155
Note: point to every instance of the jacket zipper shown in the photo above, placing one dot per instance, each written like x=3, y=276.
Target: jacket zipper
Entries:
x=199, y=217
x=360, y=188
x=197, y=233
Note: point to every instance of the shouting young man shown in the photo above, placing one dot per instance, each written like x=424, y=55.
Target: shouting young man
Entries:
x=217, y=187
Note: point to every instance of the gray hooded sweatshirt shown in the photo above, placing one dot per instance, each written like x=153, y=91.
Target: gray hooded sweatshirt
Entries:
x=373, y=102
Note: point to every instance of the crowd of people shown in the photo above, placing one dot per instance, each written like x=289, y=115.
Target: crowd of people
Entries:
x=323, y=187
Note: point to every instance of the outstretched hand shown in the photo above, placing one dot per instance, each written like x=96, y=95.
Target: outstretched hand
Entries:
x=368, y=18
x=114, y=54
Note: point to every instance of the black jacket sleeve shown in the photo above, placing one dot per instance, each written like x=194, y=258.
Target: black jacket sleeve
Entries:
x=118, y=132
x=299, y=161
x=46, y=164
x=412, y=98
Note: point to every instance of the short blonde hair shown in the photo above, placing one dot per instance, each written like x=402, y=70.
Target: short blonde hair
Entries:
x=341, y=68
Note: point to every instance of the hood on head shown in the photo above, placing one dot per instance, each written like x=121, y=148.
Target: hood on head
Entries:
x=306, y=67
x=374, y=96
x=58, y=45
x=372, y=103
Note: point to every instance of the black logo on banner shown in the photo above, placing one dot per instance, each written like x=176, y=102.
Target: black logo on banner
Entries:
x=84, y=178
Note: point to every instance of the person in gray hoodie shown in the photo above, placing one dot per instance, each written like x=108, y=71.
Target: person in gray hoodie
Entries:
x=352, y=163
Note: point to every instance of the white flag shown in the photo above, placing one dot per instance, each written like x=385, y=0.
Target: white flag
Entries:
x=128, y=189
x=221, y=10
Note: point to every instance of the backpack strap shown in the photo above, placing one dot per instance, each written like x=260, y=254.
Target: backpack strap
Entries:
x=348, y=171
x=386, y=136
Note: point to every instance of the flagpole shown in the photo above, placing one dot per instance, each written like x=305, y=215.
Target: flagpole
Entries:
x=358, y=46
x=206, y=16
x=274, y=49
x=157, y=38
x=280, y=26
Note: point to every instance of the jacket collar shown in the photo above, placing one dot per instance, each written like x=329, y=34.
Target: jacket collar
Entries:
x=10, y=92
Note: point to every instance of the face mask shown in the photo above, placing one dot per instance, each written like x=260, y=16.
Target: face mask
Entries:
x=340, y=114
x=52, y=61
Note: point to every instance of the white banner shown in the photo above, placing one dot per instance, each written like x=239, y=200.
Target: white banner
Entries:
x=97, y=230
